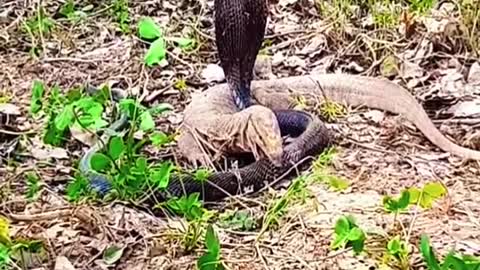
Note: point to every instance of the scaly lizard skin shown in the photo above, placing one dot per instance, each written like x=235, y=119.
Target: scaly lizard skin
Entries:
x=239, y=31
x=213, y=110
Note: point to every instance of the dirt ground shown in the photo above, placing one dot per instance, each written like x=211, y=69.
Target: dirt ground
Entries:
x=378, y=153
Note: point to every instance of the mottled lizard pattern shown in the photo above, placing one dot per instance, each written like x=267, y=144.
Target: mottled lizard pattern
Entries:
x=239, y=32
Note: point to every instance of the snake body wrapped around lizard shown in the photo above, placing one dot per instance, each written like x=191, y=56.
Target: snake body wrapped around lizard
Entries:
x=240, y=26
x=223, y=116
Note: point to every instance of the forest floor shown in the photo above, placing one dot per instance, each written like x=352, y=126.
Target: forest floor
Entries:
x=430, y=49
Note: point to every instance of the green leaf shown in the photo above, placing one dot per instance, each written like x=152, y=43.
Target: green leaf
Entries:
x=77, y=188
x=426, y=201
x=393, y=245
x=100, y=162
x=358, y=245
x=211, y=241
x=161, y=176
x=37, y=95
x=414, y=195
x=202, y=174
x=159, y=139
x=208, y=261
x=355, y=234
x=434, y=190
x=453, y=262
x=342, y=226
x=146, y=121
x=338, y=184
x=160, y=108
x=156, y=52
x=4, y=255
x=74, y=94
x=32, y=246
x=148, y=29
x=183, y=42
x=428, y=254
x=116, y=147
x=33, y=186
x=4, y=231
x=339, y=242
x=396, y=205
x=98, y=124
x=65, y=118
x=404, y=199
x=112, y=254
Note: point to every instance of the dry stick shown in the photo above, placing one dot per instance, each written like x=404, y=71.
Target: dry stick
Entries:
x=70, y=59
x=290, y=41
x=48, y=215
x=257, y=248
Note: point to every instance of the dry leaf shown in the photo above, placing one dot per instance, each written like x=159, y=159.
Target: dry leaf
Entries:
x=9, y=109
x=62, y=263
x=213, y=73
x=474, y=74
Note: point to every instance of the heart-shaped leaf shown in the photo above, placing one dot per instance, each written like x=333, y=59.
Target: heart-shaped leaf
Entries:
x=160, y=177
x=156, y=52
x=148, y=29
x=342, y=227
x=112, y=254
x=65, y=118
x=99, y=162
x=183, y=42
x=116, y=147
x=146, y=121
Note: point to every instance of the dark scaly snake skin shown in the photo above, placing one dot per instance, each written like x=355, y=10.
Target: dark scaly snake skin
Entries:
x=312, y=137
x=239, y=32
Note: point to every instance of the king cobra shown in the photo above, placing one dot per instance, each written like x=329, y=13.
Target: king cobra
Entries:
x=239, y=28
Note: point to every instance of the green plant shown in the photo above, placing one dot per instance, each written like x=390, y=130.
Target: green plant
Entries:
x=38, y=90
x=398, y=249
x=427, y=195
x=238, y=220
x=33, y=186
x=40, y=23
x=421, y=6
x=347, y=233
x=69, y=11
x=188, y=206
x=160, y=139
x=470, y=16
x=452, y=260
x=149, y=30
x=320, y=174
x=112, y=254
x=181, y=85
x=73, y=111
x=424, y=197
x=37, y=27
x=13, y=250
x=211, y=259
x=78, y=188
x=331, y=110
x=396, y=205
x=121, y=15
